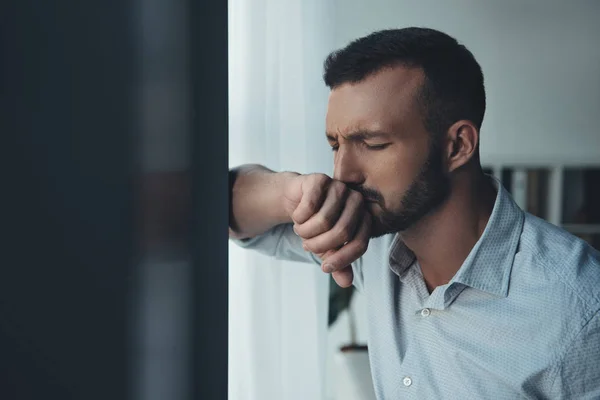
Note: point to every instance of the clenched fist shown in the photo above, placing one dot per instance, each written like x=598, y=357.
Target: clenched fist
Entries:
x=331, y=220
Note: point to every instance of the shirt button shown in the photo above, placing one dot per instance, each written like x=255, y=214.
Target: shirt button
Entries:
x=407, y=381
x=425, y=312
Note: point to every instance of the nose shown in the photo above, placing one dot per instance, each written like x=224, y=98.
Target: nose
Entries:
x=347, y=167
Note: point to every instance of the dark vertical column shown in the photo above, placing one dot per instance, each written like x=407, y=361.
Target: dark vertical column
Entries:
x=67, y=235
x=208, y=34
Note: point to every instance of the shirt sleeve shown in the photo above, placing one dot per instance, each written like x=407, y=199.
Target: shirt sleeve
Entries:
x=578, y=374
x=280, y=242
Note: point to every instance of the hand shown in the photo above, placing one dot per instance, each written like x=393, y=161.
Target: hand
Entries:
x=331, y=220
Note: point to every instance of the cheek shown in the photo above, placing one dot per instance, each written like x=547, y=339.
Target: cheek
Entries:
x=392, y=176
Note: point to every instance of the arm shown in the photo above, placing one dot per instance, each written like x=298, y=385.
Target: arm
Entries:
x=288, y=213
x=257, y=200
x=578, y=375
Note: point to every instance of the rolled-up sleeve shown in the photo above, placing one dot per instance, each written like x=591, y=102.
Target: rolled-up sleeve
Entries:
x=280, y=242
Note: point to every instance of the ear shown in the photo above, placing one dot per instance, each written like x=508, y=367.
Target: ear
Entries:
x=462, y=144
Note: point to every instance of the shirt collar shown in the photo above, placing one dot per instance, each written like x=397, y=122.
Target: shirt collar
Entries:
x=488, y=265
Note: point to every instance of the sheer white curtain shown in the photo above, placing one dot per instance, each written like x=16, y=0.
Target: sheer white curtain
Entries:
x=277, y=107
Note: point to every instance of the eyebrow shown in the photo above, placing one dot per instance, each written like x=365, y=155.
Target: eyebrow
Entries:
x=359, y=135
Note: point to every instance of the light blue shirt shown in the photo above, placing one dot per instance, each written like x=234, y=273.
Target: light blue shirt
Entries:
x=518, y=320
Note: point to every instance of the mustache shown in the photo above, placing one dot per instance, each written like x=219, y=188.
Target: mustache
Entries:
x=367, y=193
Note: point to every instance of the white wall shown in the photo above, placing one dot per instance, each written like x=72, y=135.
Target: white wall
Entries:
x=339, y=335
x=540, y=60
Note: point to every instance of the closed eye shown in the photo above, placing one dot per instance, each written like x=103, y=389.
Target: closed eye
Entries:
x=373, y=147
x=377, y=146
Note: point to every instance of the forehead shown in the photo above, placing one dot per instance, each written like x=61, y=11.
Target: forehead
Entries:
x=384, y=101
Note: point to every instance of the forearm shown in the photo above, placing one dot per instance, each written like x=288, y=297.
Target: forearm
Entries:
x=256, y=200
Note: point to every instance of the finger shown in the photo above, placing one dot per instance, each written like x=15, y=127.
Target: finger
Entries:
x=326, y=217
x=343, y=277
x=353, y=250
x=313, y=195
x=344, y=229
x=323, y=256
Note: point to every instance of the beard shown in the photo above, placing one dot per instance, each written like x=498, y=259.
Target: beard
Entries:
x=429, y=190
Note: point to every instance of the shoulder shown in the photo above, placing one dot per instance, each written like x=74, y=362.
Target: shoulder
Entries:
x=561, y=258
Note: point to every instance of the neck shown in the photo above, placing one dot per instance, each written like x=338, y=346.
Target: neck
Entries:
x=443, y=239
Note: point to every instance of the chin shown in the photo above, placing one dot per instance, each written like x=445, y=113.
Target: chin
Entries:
x=387, y=223
x=378, y=229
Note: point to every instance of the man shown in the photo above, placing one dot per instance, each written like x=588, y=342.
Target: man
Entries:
x=468, y=296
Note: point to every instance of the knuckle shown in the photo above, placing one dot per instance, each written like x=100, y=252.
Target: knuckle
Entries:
x=323, y=223
x=339, y=188
x=307, y=246
x=356, y=197
x=343, y=234
x=311, y=204
x=300, y=231
x=354, y=200
x=362, y=247
x=321, y=179
x=328, y=253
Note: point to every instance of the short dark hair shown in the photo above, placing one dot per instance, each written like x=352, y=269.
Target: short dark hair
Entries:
x=453, y=87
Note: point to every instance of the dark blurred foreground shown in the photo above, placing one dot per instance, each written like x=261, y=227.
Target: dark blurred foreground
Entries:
x=107, y=290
